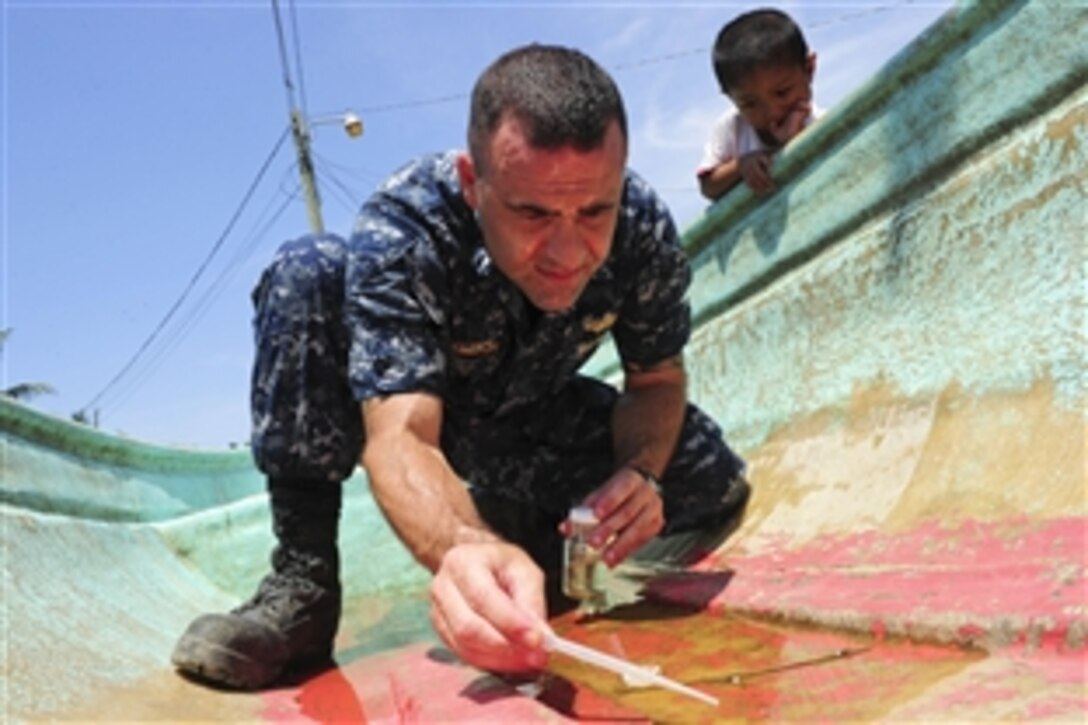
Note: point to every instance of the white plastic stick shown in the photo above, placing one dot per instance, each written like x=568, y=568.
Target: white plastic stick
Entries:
x=555, y=643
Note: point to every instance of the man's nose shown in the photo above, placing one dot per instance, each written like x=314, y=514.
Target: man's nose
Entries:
x=564, y=247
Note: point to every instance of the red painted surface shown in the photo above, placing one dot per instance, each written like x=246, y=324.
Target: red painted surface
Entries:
x=1005, y=584
x=1021, y=585
x=422, y=683
x=761, y=672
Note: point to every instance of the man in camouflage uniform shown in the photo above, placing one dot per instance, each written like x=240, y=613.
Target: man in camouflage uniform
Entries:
x=473, y=288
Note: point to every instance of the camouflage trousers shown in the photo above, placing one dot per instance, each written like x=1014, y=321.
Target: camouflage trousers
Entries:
x=525, y=469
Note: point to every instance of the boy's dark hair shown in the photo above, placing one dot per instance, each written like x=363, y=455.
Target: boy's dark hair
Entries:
x=560, y=96
x=754, y=40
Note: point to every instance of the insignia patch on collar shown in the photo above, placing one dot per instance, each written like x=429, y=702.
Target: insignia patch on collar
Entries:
x=597, y=325
x=475, y=349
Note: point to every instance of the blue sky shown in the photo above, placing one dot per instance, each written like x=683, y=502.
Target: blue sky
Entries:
x=132, y=131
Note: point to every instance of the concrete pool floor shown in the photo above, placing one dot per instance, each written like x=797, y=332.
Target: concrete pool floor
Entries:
x=391, y=668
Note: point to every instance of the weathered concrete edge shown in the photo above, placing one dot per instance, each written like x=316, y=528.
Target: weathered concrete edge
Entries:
x=88, y=444
x=55, y=466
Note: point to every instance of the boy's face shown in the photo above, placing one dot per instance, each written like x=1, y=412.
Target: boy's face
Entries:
x=768, y=96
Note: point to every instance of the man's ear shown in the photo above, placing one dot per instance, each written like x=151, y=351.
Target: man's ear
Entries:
x=466, y=172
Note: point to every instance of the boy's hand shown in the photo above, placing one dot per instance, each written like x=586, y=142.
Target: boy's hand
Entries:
x=792, y=124
x=755, y=168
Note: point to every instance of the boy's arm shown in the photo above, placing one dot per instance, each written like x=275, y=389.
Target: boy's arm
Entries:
x=719, y=170
x=715, y=181
x=754, y=168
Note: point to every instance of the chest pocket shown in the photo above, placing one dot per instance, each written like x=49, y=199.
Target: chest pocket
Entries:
x=474, y=357
x=479, y=351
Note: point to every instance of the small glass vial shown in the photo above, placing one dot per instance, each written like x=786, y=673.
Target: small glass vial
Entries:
x=580, y=559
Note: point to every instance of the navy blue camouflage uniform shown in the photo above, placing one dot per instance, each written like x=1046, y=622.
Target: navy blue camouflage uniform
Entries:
x=413, y=303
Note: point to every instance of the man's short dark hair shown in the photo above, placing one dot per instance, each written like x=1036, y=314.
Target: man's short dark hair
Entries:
x=560, y=96
x=757, y=39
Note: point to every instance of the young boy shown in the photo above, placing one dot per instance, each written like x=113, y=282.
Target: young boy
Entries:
x=764, y=66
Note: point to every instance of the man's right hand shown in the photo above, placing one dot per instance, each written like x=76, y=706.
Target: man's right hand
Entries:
x=487, y=605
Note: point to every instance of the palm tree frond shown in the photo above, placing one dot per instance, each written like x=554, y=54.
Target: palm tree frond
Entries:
x=26, y=391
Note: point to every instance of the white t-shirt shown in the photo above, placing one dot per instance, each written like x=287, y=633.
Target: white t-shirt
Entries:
x=732, y=137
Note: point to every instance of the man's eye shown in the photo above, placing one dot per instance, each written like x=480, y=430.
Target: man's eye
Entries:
x=533, y=214
x=599, y=212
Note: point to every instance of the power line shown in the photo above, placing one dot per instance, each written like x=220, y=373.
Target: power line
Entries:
x=638, y=62
x=204, y=303
x=344, y=194
x=195, y=278
x=404, y=105
x=298, y=60
x=285, y=66
x=179, y=331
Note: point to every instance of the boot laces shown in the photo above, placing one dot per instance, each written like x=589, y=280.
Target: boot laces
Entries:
x=284, y=599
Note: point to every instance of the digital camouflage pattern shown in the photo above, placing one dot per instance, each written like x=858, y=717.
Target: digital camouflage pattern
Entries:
x=413, y=303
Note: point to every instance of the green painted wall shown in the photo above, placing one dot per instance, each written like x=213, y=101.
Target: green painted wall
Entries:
x=51, y=464
x=934, y=226
x=209, y=508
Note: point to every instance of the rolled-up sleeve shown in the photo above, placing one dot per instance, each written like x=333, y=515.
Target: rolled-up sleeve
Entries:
x=392, y=323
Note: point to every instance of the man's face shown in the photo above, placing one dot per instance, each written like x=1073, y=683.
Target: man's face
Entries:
x=767, y=96
x=547, y=216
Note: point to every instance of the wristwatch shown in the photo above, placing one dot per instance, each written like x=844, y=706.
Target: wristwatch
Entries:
x=647, y=476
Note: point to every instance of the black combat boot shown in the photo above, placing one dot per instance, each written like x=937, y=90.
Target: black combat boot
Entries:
x=291, y=621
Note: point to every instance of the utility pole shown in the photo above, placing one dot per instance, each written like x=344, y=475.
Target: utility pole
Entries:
x=306, y=170
x=300, y=129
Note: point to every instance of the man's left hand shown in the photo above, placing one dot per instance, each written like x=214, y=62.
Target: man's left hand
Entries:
x=630, y=511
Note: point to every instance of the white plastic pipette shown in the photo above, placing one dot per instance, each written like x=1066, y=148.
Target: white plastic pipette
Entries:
x=634, y=673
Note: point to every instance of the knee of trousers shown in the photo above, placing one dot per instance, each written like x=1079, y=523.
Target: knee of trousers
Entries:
x=305, y=422
x=703, y=473
x=702, y=451
x=304, y=273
